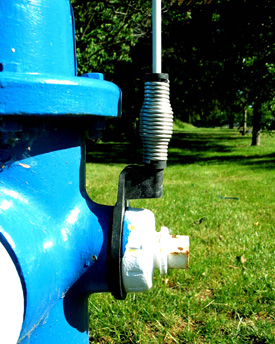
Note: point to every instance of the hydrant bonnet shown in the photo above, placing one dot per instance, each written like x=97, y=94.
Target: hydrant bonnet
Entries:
x=38, y=64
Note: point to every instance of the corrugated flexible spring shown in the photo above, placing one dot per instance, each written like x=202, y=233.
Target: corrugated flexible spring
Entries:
x=156, y=121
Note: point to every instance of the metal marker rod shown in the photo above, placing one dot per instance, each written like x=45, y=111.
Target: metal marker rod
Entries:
x=156, y=18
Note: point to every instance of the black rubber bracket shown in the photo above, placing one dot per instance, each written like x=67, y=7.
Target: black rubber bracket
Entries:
x=135, y=182
x=162, y=77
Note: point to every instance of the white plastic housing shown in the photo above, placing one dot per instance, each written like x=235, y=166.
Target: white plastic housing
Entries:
x=147, y=250
x=11, y=299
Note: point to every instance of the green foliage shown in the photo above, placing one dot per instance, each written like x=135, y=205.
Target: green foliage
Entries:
x=268, y=111
x=219, y=54
x=106, y=31
x=220, y=191
x=221, y=60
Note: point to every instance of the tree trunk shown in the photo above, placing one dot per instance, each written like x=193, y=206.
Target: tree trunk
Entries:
x=256, y=134
x=256, y=138
x=244, y=122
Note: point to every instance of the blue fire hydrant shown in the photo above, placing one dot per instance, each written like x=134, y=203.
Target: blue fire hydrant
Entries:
x=56, y=245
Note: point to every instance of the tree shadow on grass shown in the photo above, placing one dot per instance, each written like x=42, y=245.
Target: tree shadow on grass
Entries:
x=114, y=153
x=184, y=148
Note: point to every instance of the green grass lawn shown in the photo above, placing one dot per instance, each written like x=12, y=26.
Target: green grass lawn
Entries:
x=220, y=191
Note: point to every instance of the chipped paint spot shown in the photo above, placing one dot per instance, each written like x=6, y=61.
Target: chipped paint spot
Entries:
x=24, y=165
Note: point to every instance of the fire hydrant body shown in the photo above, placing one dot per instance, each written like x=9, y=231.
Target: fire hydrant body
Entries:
x=55, y=235
x=56, y=245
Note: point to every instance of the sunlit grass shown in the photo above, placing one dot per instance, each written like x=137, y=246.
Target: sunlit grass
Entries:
x=221, y=192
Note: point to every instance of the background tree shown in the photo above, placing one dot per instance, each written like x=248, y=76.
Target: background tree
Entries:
x=227, y=50
x=106, y=35
x=219, y=54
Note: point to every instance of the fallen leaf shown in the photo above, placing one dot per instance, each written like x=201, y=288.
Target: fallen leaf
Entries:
x=232, y=267
x=243, y=259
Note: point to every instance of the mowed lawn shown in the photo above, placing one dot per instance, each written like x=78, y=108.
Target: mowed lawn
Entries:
x=220, y=191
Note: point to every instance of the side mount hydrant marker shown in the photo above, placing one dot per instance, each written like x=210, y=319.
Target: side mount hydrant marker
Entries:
x=136, y=249
x=56, y=245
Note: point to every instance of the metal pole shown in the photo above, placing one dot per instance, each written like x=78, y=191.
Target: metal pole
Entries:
x=156, y=36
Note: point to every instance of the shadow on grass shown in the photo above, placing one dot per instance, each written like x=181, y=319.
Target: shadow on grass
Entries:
x=114, y=152
x=185, y=148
